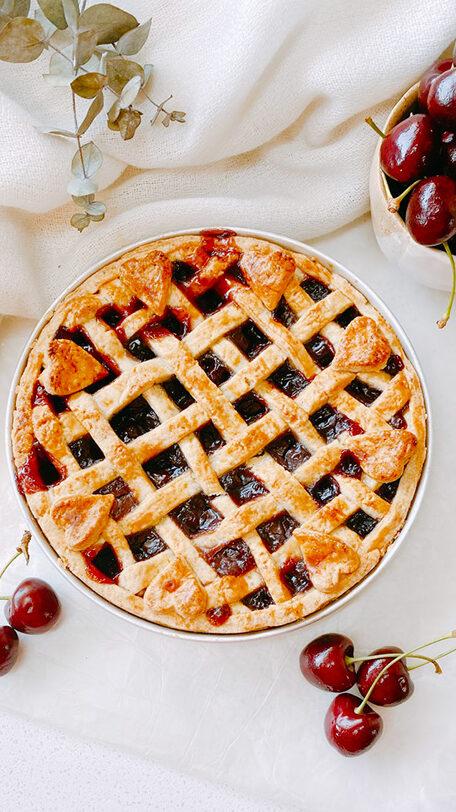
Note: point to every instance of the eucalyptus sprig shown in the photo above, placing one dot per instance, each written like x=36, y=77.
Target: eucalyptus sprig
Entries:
x=89, y=53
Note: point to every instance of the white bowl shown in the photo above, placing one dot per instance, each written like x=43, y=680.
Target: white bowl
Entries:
x=292, y=245
x=429, y=266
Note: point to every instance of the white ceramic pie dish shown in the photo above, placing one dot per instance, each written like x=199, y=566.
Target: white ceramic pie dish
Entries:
x=292, y=245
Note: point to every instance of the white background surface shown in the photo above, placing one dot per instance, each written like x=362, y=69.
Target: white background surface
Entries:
x=277, y=753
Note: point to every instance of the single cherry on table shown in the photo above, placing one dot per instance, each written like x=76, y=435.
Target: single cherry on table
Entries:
x=33, y=608
x=347, y=729
x=9, y=646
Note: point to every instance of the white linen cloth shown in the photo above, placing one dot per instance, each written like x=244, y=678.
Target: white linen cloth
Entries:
x=275, y=93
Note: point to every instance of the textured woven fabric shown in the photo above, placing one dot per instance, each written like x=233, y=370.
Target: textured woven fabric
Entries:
x=275, y=93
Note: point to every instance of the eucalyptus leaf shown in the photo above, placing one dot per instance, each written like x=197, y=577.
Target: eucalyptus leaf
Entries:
x=46, y=25
x=60, y=65
x=53, y=11
x=96, y=208
x=113, y=114
x=90, y=163
x=81, y=186
x=84, y=46
x=132, y=42
x=80, y=220
x=16, y=8
x=87, y=85
x=109, y=22
x=56, y=131
x=21, y=40
x=147, y=70
x=128, y=122
x=178, y=115
x=71, y=12
x=95, y=108
x=130, y=91
x=166, y=120
x=97, y=217
x=119, y=71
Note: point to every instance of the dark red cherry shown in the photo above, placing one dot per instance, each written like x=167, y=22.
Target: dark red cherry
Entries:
x=395, y=686
x=33, y=608
x=441, y=100
x=431, y=210
x=448, y=152
x=435, y=70
x=9, y=645
x=407, y=150
x=349, y=732
x=323, y=662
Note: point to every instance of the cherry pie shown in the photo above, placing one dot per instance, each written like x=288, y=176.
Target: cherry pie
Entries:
x=217, y=434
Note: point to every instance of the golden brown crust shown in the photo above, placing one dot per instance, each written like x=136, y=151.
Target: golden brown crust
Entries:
x=186, y=582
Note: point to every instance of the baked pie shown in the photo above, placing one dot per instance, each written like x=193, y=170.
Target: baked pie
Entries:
x=217, y=434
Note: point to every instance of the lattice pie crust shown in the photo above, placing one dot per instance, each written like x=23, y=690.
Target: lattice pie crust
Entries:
x=217, y=434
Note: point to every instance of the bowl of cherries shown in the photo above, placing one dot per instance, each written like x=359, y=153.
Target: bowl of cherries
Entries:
x=382, y=678
x=413, y=181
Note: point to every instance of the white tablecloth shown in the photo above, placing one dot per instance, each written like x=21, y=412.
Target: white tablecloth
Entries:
x=241, y=713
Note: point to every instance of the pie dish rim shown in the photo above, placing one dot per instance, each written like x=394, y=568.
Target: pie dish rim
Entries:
x=288, y=244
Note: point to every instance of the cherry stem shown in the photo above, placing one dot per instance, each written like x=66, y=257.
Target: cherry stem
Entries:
x=21, y=550
x=442, y=323
x=374, y=126
x=395, y=202
x=396, y=659
x=438, y=657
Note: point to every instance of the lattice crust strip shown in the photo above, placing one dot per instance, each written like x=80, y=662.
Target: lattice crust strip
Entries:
x=228, y=455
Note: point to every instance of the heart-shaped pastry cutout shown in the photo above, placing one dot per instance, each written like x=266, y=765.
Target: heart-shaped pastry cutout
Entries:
x=83, y=518
x=384, y=454
x=69, y=368
x=328, y=560
x=269, y=273
x=149, y=278
x=177, y=590
x=363, y=347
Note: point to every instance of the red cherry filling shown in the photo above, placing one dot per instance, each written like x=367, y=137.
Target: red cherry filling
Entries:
x=361, y=523
x=275, y=531
x=314, y=288
x=394, y=365
x=145, y=544
x=259, y=599
x=85, y=451
x=348, y=465
x=288, y=451
x=388, y=490
x=134, y=420
x=398, y=421
x=102, y=564
x=234, y=558
x=40, y=397
x=249, y=339
x=39, y=472
x=210, y=437
x=350, y=732
x=361, y=391
x=288, y=379
x=33, y=608
x=166, y=466
x=324, y=490
x=323, y=662
x=242, y=485
x=250, y=407
x=177, y=393
x=320, y=350
x=138, y=347
x=113, y=314
x=219, y=615
x=347, y=316
x=393, y=687
x=124, y=501
x=293, y=573
x=215, y=369
x=175, y=321
x=196, y=516
x=330, y=423
x=284, y=314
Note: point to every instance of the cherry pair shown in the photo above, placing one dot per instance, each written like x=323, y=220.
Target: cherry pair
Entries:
x=33, y=608
x=383, y=677
x=421, y=151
